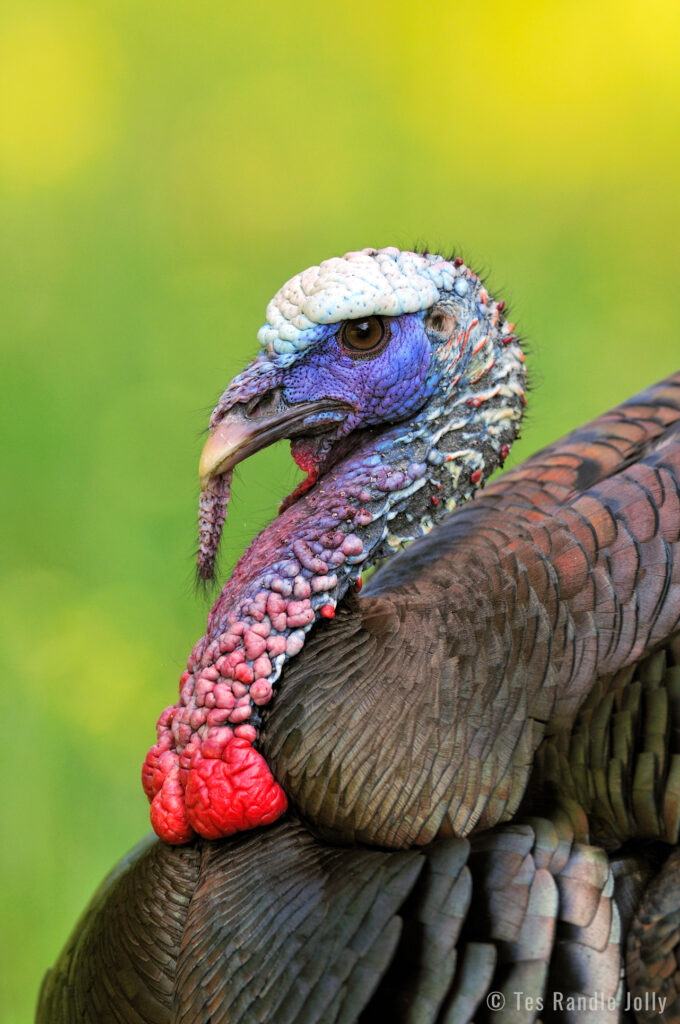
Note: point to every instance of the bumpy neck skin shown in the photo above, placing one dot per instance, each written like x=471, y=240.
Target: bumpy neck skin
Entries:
x=205, y=774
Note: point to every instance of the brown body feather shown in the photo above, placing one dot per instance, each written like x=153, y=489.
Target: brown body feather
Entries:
x=414, y=717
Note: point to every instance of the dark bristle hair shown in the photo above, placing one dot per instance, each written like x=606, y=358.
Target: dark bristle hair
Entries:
x=205, y=586
x=457, y=253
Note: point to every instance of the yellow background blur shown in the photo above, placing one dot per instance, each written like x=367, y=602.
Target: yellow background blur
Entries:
x=164, y=167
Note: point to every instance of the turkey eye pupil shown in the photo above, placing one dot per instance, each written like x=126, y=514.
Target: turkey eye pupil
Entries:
x=364, y=335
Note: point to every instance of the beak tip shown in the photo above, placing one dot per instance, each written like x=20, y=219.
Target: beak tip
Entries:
x=206, y=468
x=220, y=450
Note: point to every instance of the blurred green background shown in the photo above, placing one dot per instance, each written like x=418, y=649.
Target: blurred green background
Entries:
x=164, y=168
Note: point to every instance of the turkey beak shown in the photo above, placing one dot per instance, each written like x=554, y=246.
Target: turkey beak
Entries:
x=247, y=428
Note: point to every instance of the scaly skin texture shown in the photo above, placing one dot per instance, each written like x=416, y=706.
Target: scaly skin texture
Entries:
x=212, y=511
x=455, y=384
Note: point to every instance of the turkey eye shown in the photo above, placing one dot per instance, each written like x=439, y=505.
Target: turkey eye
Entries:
x=364, y=335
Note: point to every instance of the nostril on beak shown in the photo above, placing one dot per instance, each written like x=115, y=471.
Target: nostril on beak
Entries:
x=268, y=404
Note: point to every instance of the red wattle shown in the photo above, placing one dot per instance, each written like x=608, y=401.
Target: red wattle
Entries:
x=169, y=815
x=235, y=792
x=221, y=794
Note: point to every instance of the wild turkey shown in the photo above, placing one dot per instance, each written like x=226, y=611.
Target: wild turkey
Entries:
x=513, y=677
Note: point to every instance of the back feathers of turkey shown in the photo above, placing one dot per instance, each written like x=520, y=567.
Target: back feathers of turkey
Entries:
x=520, y=661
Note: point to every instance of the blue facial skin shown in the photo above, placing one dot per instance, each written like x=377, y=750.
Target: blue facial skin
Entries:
x=385, y=388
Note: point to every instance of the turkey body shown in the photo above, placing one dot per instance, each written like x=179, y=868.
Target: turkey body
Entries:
x=482, y=758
